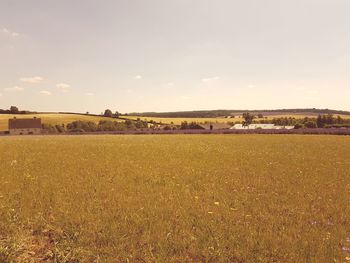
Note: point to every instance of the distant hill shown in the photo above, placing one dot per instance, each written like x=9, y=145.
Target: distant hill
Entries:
x=220, y=113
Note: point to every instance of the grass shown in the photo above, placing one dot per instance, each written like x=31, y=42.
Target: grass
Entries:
x=175, y=198
x=52, y=118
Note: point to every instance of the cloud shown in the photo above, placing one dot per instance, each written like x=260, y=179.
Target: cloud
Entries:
x=210, y=79
x=185, y=97
x=0, y=94
x=251, y=86
x=170, y=84
x=138, y=77
x=63, y=87
x=89, y=94
x=15, y=88
x=45, y=92
x=32, y=80
x=9, y=32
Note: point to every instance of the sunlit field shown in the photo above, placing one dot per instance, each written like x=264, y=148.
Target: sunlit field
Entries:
x=53, y=119
x=175, y=198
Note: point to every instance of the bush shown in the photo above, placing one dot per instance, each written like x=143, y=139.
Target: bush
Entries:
x=298, y=126
x=310, y=124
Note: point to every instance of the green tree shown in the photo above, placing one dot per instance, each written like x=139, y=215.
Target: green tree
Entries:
x=14, y=110
x=310, y=124
x=248, y=118
x=108, y=113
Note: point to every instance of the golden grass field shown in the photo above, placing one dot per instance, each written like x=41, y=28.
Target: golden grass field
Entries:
x=52, y=118
x=178, y=121
x=175, y=198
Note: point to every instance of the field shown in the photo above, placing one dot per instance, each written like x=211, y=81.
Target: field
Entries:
x=51, y=118
x=178, y=121
x=175, y=198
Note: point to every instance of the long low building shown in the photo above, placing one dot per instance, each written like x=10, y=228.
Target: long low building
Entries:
x=265, y=126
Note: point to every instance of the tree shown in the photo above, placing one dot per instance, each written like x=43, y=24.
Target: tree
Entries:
x=310, y=124
x=248, y=118
x=184, y=125
x=108, y=113
x=116, y=114
x=14, y=110
x=320, y=121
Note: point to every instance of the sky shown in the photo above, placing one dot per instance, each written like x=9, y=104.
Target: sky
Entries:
x=174, y=55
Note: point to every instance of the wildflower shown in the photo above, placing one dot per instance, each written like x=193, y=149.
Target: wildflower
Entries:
x=13, y=162
x=196, y=197
x=210, y=212
x=330, y=221
x=233, y=209
x=216, y=203
x=347, y=258
x=346, y=249
x=348, y=239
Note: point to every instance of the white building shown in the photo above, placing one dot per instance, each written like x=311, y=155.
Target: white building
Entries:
x=264, y=126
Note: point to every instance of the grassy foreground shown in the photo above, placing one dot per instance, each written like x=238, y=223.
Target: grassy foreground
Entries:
x=175, y=198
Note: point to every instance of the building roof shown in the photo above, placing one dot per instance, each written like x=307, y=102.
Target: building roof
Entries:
x=24, y=123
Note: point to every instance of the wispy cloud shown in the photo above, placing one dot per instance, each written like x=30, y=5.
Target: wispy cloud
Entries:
x=9, y=32
x=45, y=92
x=170, y=84
x=89, y=94
x=251, y=86
x=15, y=88
x=63, y=87
x=32, y=80
x=0, y=94
x=138, y=77
x=210, y=79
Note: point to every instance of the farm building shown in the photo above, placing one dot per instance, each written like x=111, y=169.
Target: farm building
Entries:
x=25, y=126
x=266, y=126
x=215, y=126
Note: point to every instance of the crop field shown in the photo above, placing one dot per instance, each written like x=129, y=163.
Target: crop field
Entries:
x=178, y=121
x=52, y=118
x=175, y=198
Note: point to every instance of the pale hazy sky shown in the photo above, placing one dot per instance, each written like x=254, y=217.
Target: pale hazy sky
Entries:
x=165, y=55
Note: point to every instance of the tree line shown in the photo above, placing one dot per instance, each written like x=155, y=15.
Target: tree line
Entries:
x=15, y=110
x=321, y=121
x=101, y=126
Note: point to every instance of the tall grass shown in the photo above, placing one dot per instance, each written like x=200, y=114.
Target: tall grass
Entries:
x=175, y=198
